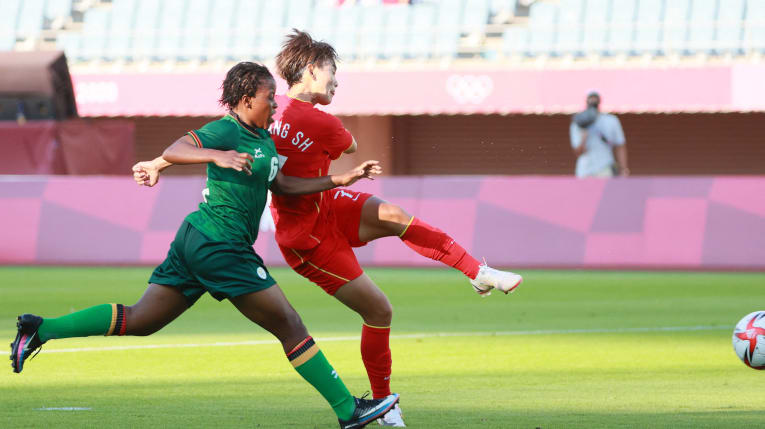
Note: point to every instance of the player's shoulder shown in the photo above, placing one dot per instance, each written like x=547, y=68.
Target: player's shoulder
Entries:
x=321, y=116
x=608, y=119
x=609, y=116
x=222, y=126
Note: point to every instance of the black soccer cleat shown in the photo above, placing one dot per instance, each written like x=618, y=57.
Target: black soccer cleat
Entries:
x=27, y=340
x=367, y=410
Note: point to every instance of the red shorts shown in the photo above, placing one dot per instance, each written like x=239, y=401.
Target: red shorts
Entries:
x=332, y=263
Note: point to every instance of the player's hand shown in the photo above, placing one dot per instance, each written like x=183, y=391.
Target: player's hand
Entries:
x=366, y=170
x=145, y=173
x=235, y=160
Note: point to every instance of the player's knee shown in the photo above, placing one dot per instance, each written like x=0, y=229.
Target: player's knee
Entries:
x=393, y=213
x=293, y=335
x=294, y=322
x=291, y=326
x=379, y=315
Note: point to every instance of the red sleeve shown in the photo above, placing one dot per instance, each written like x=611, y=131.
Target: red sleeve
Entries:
x=336, y=138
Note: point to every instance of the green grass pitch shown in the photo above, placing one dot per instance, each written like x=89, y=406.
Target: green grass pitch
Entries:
x=569, y=349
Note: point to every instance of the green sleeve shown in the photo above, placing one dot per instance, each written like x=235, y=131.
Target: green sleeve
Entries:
x=220, y=134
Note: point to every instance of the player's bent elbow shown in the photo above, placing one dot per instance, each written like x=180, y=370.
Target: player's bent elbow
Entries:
x=352, y=148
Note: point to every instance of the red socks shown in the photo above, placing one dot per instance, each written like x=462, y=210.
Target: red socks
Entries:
x=435, y=244
x=432, y=243
x=375, y=352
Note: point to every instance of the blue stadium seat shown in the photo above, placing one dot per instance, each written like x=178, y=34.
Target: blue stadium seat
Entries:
x=372, y=27
x=448, y=27
x=272, y=28
x=118, y=39
x=9, y=12
x=701, y=27
x=675, y=28
x=244, y=41
x=503, y=6
x=95, y=27
x=730, y=27
x=70, y=43
x=346, y=37
x=648, y=26
x=515, y=41
x=171, y=26
x=475, y=17
x=30, y=21
x=220, y=27
x=323, y=22
x=595, y=27
x=569, y=36
x=299, y=13
x=621, y=36
x=543, y=19
x=396, y=31
x=195, y=31
x=57, y=8
x=278, y=22
x=754, y=28
x=145, y=29
x=423, y=30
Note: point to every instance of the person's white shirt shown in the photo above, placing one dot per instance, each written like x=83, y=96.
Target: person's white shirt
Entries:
x=602, y=135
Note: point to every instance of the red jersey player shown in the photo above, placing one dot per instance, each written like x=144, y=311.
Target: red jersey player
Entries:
x=317, y=233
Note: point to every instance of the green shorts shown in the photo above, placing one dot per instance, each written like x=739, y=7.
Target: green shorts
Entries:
x=195, y=265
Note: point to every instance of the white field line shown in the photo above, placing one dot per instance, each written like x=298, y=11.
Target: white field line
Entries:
x=402, y=336
x=64, y=409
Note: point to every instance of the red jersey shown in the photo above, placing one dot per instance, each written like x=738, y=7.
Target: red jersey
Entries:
x=307, y=140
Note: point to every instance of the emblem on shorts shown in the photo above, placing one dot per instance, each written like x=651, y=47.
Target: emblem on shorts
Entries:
x=261, y=273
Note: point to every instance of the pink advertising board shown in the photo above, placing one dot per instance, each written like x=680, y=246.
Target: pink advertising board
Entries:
x=737, y=87
x=648, y=222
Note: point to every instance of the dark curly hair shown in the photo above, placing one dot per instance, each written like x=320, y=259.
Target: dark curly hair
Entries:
x=242, y=81
x=298, y=51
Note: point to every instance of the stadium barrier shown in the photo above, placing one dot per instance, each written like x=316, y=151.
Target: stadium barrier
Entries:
x=712, y=88
x=73, y=146
x=651, y=222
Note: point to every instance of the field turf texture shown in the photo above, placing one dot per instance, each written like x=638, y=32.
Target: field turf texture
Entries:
x=569, y=349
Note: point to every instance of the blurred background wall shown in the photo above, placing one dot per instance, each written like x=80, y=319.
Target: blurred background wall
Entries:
x=438, y=89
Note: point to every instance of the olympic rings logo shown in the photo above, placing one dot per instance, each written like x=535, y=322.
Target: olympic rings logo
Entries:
x=469, y=88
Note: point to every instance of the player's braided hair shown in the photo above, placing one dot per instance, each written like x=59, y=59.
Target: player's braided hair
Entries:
x=298, y=51
x=242, y=81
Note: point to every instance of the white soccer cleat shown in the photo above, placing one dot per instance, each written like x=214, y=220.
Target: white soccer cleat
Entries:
x=394, y=418
x=488, y=278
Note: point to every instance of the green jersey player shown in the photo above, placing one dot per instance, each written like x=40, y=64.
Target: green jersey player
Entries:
x=212, y=250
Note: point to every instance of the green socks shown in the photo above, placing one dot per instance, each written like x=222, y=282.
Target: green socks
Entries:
x=311, y=364
x=104, y=319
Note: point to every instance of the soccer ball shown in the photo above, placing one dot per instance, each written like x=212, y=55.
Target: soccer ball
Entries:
x=749, y=340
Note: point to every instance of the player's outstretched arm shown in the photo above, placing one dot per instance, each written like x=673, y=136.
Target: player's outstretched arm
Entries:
x=297, y=185
x=184, y=151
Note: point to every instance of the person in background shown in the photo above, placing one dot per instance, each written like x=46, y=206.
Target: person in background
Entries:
x=598, y=142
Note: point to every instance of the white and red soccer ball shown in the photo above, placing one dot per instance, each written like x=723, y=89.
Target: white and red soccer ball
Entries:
x=749, y=340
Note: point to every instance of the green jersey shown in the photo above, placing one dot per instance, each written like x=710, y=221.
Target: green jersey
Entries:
x=234, y=201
